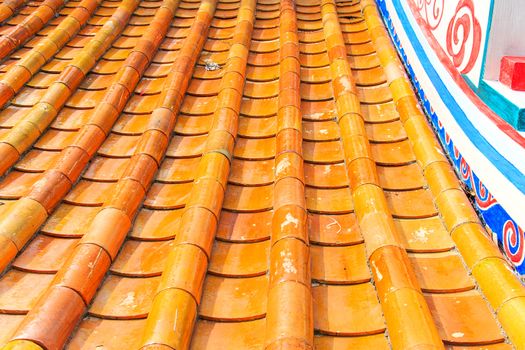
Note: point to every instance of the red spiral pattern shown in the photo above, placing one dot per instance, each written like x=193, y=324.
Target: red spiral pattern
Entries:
x=434, y=12
x=513, y=242
x=463, y=27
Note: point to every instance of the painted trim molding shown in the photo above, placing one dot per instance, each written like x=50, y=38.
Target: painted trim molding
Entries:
x=487, y=153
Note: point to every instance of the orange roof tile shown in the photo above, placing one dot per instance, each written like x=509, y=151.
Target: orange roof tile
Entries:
x=237, y=174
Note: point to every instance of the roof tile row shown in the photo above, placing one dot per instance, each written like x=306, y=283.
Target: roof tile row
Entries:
x=396, y=283
x=181, y=287
x=289, y=317
x=9, y=8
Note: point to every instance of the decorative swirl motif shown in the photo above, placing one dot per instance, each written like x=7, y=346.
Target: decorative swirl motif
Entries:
x=484, y=198
x=431, y=10
x=434, y=12
x=494, y=215
x=513, y=242
x=464, y=37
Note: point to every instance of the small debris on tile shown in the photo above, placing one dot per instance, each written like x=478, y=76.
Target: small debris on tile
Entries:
x=210, y=65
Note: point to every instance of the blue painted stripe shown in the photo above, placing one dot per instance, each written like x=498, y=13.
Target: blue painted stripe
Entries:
x=500, y=162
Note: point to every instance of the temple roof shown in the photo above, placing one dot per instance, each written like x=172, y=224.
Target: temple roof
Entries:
x=230, y=175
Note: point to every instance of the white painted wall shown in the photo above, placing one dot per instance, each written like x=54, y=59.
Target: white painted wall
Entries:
x=507, y=35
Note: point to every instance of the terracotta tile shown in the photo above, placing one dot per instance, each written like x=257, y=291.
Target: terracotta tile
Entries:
x=156, y=70
x=379, y=113
x=141, y=258
x=377, y=341
x=148, y=86
x=295, y=330
x=156, y=224
x=244, y=227
x=106, y=169
x=319, y=74
x=441, y=272
x=424, y=235
x=205, y=87
x=263, y=127
x=45, y=254
x=453, y=314
x=69, y=220
x=333, y=229
x=264, y=59
x=404, y=177
x=55, y=140
x=316, y=92
x=340, y=265
x=193, y=125
x=326, y=175
x=386, y=132
x=28, y=97
x=119, y=145
x=110, y=67
x=320, y=131
x=11, y=115
x=329, y=201
x=323, y=152
x=265, y=34
x=249, y=295
x=200, y=72
x=178, y=170
x=198, y=105
x=263, y=107
x=8, y=324
x=167, y=196
x=111, y=334
x=20, y=290
x=187, y=146
x=314, y=61
x=229, y=335
x=248, y=199
x=310, y=36
x=347, y=310
x=37, y=326
x=395, y=153
x=89, y=193
x=369, y=77
x=255, y=73
x=255, y=149
x=261, y=89
x=251, y=173
x=124, y=298
x=71, y=119
x=37, y=161
x=411, y=204
x=85, y=99
x=95, y=81
x=18, y=184
x=239, y=259
x=500, y=346
x=131, y=124
x=346, y=313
